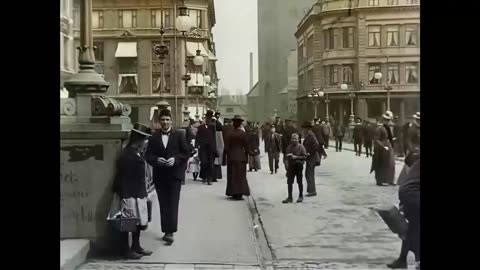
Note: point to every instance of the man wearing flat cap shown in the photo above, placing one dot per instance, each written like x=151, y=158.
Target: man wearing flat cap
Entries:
x=207, y=148
x=167, y=153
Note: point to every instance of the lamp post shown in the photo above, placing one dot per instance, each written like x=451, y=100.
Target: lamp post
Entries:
x=388, y=88
x=344, y=87
x=315, y=95
x=161, y=50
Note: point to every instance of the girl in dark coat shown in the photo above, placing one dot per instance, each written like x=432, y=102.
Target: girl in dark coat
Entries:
x=254, y=150
x=236, y=149
x=130, y=186
x=383, y=161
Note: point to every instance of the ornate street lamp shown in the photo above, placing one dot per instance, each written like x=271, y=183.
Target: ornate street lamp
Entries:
x=316, y=95
x=161, y=50
x=344, y=87
x=387, y=87
x=183, y=22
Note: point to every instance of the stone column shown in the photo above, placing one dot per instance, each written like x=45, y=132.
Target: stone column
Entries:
x=402, y=111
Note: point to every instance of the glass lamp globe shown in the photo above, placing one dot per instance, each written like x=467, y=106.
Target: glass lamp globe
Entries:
x=198, y=59
x=206, y=78
x=321, y=94
x=183, y=23
x=310, y=95
x=378, y=75
x=344, y=86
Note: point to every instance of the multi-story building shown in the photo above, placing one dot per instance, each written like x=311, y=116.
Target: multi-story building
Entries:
x=341, y=41
x=67, y=49
x=125, y=33
x=277, y=20
x=231, y=105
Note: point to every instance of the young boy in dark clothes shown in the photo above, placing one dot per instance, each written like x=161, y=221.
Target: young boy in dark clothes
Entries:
x=296, y=156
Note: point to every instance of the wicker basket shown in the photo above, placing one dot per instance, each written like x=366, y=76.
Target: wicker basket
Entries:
x=124, y=224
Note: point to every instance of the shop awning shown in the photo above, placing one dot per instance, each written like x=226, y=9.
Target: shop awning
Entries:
x=126, y=49
x=192, y=48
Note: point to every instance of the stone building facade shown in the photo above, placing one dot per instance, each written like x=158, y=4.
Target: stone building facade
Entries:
x=67, y=49
x=125, y=33
x=341, y=41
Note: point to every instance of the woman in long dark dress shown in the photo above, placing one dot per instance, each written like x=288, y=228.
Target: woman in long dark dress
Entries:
x=383, y=160
x=130, y=187
x=236, y=149
x=254, y=150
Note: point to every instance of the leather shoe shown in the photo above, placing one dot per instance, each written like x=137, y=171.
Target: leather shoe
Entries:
x=397, y=264
x=300, y=199
x=287, y=200
x=168, y=237
x=311, y=194
x=142, y=251
x=132, y=255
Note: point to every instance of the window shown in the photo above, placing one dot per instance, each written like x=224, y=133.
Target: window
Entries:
x=127, y=65
x=411, y=35
x=392, y=2
x=301, y=82
x=333, y=75
x=98, y=51
x=412, y=2
x=197, y=17
x=127, y=18
x=325, y=39
x=157, y=17
x=348, y=74
x=156, y=70
x=300, y=54
x=310, y=46
x=97, y=19
x=392, y=72
x=229, y=110
x=348, y=37
x=127, y=83
x=310, y=79
x=374, y=36
x=372, y=69
x=331, y=39
x=373, y=2
x=392, y=35
x=411, y=72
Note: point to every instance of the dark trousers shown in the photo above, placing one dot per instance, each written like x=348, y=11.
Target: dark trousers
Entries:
x=368, y=149
x=357, y=146
x=310, y=176
x=327, y=139
x=168, y=192
x=207, y=159
x=273, y=157
x=411, y=208
x=123, y=241
x=295, y=170
x=338, y=143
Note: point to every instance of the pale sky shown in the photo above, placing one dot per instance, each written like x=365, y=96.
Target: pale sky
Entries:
x=235, y=36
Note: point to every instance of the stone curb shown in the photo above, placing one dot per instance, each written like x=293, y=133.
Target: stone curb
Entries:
x=73, y=253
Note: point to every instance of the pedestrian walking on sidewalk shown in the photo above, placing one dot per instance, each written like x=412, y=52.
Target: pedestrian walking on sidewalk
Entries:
x=313, y=158
x=296, y=156
x=168, y=152
x=327, y=131
x=413, y=135
x=287, y=132
x=358, y=132
x=236, y=149
x=383, y=160
x=130, y=186
x=254, y=150
x=206, y=143
x=398, y=137
x=339, y=134
x=368, y=136
x=194, y=165
x=219, y=143
x=273, y=147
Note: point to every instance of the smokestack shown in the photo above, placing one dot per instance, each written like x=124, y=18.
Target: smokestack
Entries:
x=251, y=71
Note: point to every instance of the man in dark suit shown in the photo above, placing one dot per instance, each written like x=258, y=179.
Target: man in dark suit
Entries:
x=313, y=158
x=398, y=137
x=368, y=136
x=273, y=147
x=207, y=148
x=318, y=131
x=358, y=137
x=167, y=152
x=339, y=133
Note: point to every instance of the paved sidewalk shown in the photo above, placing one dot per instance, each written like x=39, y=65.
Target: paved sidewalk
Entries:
x=212, y=230
x=349, y=147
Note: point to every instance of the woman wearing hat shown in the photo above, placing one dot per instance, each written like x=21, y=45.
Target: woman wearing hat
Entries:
x=130, y=185
x=383, y=161
x=254, y=150
x=236, y=149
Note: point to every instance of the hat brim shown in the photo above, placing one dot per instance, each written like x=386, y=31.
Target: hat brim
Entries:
x=141, y=132
x=237, y=119
x=387, y=117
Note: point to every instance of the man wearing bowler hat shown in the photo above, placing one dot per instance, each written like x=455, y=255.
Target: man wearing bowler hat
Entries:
x=313, y=158
x=167, y=153
x=207, y=149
